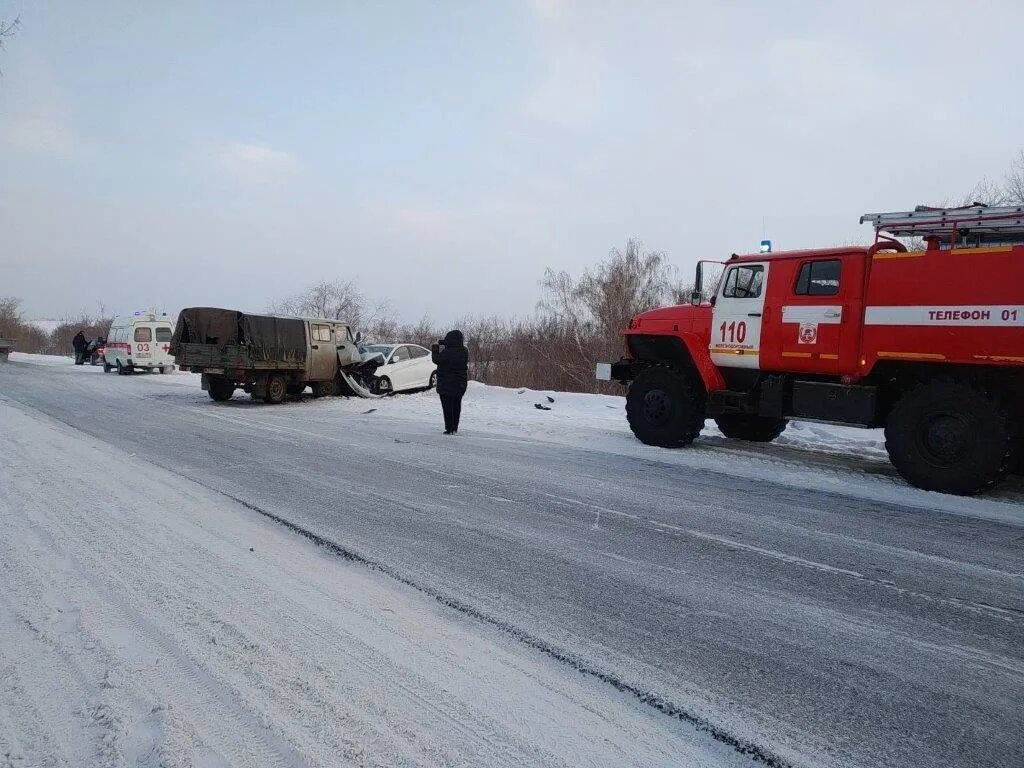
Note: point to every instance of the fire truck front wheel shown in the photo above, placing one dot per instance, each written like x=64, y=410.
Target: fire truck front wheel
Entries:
x=949, y=437
x=756, y=429
x=664, y=408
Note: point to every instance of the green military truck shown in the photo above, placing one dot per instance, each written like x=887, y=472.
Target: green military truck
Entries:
x=268, y=356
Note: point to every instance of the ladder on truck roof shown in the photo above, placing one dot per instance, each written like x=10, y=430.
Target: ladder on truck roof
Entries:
x=971, y=225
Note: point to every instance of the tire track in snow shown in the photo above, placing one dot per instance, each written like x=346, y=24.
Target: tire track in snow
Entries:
x=161, y=680
x=755, y=752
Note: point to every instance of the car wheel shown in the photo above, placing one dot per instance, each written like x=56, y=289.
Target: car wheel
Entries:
x=383, y=386
x=121, y=370
x=107, y=367
x=432, y=383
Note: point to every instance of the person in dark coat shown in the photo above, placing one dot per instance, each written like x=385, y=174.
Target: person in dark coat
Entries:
x=452, y=360
x=79, y=343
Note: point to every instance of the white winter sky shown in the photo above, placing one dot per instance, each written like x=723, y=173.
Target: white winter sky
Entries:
x=445, y=153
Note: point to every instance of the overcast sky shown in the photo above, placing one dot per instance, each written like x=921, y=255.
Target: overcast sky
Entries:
x=445, y=153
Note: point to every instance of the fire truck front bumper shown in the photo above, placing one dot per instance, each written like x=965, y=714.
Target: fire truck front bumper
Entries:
x=624, y=370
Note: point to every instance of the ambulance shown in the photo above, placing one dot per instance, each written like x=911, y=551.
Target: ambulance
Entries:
x=140, y=341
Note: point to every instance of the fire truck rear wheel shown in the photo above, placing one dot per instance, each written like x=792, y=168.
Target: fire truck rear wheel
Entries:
x=664, y=408
x=221, y=390
x=949, y=437
x=756, y=429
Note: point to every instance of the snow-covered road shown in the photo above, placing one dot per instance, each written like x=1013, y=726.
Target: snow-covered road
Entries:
x=787, y=604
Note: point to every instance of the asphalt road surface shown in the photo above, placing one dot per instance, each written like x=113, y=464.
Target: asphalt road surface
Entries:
x=802, y=628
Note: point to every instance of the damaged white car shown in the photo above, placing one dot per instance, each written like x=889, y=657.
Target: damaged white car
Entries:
x=402, y=367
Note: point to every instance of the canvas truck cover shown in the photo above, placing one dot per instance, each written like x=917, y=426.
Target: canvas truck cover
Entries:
x=266, y=338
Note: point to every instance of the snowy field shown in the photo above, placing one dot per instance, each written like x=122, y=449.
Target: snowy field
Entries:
x=332, y=582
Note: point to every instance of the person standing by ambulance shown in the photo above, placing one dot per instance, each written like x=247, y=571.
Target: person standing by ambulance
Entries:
x=452, y=360
x=80, y=343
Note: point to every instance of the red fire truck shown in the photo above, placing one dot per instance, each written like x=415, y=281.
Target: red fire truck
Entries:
x=927, y=343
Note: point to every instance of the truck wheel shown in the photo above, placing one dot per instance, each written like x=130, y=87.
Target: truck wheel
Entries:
x=277, y=390
x=342, y=388
x=756, y=429
x=325, y=388
x=221, y=390
x=949, y=437
x=121, y=370
x=664, y=408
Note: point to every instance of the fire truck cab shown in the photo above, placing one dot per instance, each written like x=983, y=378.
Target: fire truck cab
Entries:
x=927, y=343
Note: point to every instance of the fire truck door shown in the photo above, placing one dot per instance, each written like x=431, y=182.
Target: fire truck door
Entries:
x=739, y=311
x=814, y=312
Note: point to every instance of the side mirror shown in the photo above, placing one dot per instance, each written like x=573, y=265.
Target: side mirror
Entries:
x=696, y=298
x=359, y=336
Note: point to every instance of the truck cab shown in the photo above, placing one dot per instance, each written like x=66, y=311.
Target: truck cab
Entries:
x=927, y=343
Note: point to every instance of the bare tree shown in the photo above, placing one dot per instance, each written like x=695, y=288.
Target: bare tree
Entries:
x=10, y=315
x=985, y=192
x=26, y=337
x=337, y=301
x=1014, y=183
x=331, y=301
x=93, y=326
x=580, y=318
x=8, y=29
x=625, y=284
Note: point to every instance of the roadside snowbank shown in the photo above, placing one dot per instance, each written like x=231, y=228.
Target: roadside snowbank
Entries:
x=24, y=357
x=155, y=623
